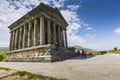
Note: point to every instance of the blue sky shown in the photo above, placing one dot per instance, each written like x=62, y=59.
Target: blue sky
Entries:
x=92, y=23
x=104, y=17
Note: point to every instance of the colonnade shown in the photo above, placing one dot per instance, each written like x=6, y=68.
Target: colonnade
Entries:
x=38, y=31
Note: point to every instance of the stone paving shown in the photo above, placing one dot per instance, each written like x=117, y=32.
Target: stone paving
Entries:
x=4, y=73
x=102, y=67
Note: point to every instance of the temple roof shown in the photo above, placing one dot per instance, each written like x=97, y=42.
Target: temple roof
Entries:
x=40, y=6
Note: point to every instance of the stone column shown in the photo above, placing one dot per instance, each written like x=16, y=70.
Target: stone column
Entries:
x=13, y=38
x=20, y=38
x=24, y=36
x=42, y=31
x=35, y=32
x=62, y=37
x=16, y=35
x=54, y=32
x=49, y=32
x=59, y=38
x=29, y=29
x=17, y=44
x=66, y=39
x=10, y=44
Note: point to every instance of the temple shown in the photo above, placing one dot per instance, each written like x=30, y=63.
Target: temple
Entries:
x=39, y=36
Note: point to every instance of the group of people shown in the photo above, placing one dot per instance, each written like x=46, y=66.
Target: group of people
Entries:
x=81, y=54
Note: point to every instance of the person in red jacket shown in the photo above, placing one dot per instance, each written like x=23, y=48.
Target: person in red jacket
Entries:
x=78, y=53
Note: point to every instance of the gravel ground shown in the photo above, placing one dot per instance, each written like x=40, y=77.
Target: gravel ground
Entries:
x=102, y=67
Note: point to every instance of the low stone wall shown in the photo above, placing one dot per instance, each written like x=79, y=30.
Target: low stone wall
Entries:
x=40, y=55
x=62, y=53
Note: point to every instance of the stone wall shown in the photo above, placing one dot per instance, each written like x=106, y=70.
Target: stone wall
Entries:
x=62, y=53
x=41, y=55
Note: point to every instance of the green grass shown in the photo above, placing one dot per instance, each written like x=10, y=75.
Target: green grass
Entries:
x=2, y=68
x=2, y=56
x=3, y=50
x=35, y=76
x=113, y=51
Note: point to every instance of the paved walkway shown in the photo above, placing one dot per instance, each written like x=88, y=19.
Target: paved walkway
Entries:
x=103, y=67
x=4, y=73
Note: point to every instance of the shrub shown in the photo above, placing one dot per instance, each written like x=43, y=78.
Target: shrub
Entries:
x=111, y=51
x=2, y=56
x=21, y=73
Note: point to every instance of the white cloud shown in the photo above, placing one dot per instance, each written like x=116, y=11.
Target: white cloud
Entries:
x=117, y=31
x=58, y=3
x=75, y=25
x=89, y=28
x=88, y=35
x=73, y=7
x=11, y=10
x=76, y=40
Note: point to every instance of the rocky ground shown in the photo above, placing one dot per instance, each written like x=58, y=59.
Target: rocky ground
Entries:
x=102, y=67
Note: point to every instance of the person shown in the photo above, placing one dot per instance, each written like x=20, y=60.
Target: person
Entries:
x=78, y=53
x=83, y=54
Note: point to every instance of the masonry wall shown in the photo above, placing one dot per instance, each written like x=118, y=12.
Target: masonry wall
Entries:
x=41, y=55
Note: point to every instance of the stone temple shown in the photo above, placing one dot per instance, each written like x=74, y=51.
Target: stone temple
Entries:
x=39, y=36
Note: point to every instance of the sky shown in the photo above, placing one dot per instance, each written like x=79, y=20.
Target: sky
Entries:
x=93, y=24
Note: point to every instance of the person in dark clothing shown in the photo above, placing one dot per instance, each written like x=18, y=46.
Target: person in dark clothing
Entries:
x=84, y=54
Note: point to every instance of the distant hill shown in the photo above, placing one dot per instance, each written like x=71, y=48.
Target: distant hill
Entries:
x=85, y=49
x=3, y=49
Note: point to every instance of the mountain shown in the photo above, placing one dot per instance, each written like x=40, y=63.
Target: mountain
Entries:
x=87, y=50
x=83, y=48
x=3, y=49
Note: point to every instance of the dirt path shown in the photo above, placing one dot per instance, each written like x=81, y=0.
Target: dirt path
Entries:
x=103, y=67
